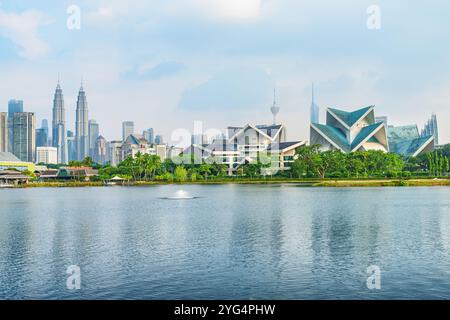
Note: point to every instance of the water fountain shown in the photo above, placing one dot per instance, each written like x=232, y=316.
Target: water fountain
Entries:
x=180, y=195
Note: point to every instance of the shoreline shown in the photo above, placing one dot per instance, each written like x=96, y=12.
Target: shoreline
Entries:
x=309, y=183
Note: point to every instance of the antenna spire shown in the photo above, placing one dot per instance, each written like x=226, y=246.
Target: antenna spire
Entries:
x=274, y=108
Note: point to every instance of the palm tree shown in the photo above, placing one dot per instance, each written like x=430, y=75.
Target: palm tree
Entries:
x=205, y=169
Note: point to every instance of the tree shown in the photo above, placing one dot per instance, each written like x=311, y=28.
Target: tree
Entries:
x=252, y=169
x=205, y=170
x=180, y=174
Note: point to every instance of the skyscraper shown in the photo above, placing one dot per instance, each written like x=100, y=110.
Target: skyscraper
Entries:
x=41, y=137
x=70, y=146
x=101, y=151
x=431, y=129
x=4, y=132
x=81, y=126
x=159, y=139
x=127, y=129
x=13, y=107
x=114, y=152
x=149, y=135
x=44, y=125
x=59, y=133
x=24, y=136
x=93, y=135
x=383, y=119
x=315, y=118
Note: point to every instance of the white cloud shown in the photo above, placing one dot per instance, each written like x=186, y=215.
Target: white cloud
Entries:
x=22, y=29
x=222, y=10
x=232, y=9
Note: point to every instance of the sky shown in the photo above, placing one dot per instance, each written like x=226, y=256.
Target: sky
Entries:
x=167, y=63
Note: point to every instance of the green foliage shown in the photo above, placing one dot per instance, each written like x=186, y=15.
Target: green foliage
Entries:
x=180, y=174
x=437, y=163
x=87, y=162
x=309, y=162
x=312, y=163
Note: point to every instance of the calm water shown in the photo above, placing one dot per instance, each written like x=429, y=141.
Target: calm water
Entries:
x=234, y=242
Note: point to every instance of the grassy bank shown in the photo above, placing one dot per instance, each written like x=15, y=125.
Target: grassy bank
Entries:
x=384, y=183
x=303, y=182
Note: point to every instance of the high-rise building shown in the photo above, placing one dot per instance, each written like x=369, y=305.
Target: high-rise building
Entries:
x=13, y=107
x=82, y=126
x=127, y=129
x=93, y=135
x=101, y=151
x=59, y=131
x=24, y=136
x=114, y=152
x=70, y=145
x=42, y=134
x=431, y=129
x=44, y=125
x=47, y=155
x=383, y=119
x=159, y=139
x=41, y=137
x=315, y=111
x=149, y=135
x=4, y=132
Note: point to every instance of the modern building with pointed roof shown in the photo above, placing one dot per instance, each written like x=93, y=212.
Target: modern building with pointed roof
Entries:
x=406, y=141
x=350, y=131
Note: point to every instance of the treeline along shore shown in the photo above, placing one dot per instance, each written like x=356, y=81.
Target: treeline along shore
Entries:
x=310, y=168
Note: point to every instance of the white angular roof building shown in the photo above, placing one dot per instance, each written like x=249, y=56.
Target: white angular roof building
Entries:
x=248, y=144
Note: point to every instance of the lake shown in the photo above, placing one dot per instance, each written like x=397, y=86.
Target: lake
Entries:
x=232, y=242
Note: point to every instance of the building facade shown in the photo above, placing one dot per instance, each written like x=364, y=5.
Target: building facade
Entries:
x=47, y=155
x=158, y=139
x=71, y=146
x=149, y=135
x=127, y=129
x=431, y=129
x=4, y=132
x=114, y=152
x=82, y=126
x=314, y=109
x=59, y=131
x=24, y=136
x=94, y=132
x=136, y=143
x=13, y=107
x=10, y=161
x=406, y=141
x=101, y=150
x=41, y=137
x=247, y=144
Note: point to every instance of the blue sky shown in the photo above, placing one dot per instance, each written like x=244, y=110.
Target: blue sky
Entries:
x=165, y=64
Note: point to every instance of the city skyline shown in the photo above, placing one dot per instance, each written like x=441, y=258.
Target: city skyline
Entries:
x=87, y=130
x=137, y=63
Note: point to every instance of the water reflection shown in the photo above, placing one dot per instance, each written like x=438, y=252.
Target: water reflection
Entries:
x=241, y=242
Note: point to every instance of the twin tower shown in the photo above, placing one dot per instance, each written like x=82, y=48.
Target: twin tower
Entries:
x=59, y=129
